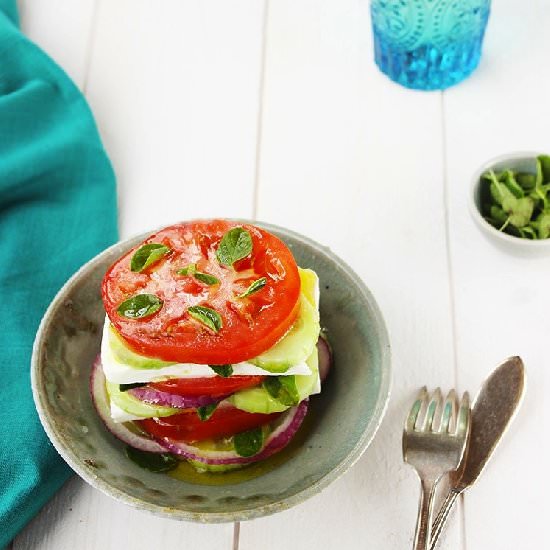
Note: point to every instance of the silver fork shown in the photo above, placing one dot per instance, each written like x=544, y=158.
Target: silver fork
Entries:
x=434, y=440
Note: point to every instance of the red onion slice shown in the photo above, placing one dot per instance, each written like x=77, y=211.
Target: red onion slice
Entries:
x=157, y=397
x=276, y=441
x=325, y=357
x=119, y=430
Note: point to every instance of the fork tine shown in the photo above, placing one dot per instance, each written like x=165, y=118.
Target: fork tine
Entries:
x=433, y=408
x=463, y=420
x=449, y=413
x=415, y=409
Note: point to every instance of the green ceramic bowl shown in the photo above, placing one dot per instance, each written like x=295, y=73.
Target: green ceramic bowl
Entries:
x=342, y=420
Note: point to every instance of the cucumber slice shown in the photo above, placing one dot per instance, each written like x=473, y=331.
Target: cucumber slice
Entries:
x=258, y=400
x=123, y=354
x=134, y=406
x=300, y=341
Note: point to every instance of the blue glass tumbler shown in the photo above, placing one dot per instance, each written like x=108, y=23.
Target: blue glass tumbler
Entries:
x=428, y=44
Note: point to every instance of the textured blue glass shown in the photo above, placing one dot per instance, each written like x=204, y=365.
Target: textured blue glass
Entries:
x=428, y=44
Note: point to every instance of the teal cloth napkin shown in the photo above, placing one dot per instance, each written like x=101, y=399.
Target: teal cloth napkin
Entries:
x=57, y=210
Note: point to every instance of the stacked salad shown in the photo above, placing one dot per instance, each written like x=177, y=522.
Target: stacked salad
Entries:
x=210, y=348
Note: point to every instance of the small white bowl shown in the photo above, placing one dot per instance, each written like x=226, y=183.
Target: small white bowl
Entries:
x=521, y=161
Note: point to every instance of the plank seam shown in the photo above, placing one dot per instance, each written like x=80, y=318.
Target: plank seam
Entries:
x=259, y=122
x=91, y=45
x=236, y=535
x=450, y=272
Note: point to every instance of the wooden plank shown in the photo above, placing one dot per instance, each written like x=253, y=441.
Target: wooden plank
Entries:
x=355, y=162
x=63, y=29
x=502, y=300
x=83, y=518
x=175, y=88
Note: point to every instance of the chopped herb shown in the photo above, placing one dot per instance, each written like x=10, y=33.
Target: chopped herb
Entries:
x=206, y=278
x=153, y=462
x=222, y=370
x=206, y=411
x=235, y=245
x=188, y=270
x=126, y=387
x=139, y=306
x=254, y=287
x=249, y=443
x=147, y=255
x=518, y=203
x=282, y=388
x=207, y=316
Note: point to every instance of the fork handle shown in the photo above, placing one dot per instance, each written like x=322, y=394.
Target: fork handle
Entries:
x=442, y=516
x=424, y=520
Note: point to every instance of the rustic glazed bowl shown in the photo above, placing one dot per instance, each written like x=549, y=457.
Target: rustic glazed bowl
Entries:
x=342, y=420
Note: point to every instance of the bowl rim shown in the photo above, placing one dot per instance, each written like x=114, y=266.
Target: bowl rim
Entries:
x=481, y=222
x=88, y=474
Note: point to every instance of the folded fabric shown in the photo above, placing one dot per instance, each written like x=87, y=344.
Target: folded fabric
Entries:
x=57, y=210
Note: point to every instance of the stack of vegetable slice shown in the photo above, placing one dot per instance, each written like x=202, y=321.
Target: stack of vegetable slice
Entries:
x=210, y=346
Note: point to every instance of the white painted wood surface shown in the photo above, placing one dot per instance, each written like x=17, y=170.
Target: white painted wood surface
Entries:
x=274, y=109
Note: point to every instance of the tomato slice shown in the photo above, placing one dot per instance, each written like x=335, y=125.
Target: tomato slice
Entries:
x=250, y=325
x=188, y=427
x=214, y=387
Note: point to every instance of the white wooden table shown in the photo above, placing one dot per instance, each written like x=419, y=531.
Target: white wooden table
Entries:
x=274, y=109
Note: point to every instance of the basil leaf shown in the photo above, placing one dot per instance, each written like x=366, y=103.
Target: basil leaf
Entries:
x=206, y=411
x=191, y=269
x=519, y=210
x=543, y=225
x=235, y=245
x=544, y=161
x=513, y=186
x=207, y=316
x=498, y=215
x=147, y=255
x=153, y=462
x=527, y=181
x=528, y=232
x=499, y=191
x=249, y=443
x=282, y=388
x=139, y=306
x=222, y=370
x=254, y=287
x=206, y=278
x=539, y=191
x=126, y=387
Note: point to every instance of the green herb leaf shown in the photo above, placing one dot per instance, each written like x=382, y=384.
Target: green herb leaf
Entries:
x=147, y=255
x=206, y=278
x=207, y=316
x=249, y=443
x=539, y=190
x=519, y=210
x=499, y=191
x=527, y=181
x=206, y=411
x=191, y=269
x=544, y=161
x=126, y=387
x=528, y=232
x=153, y=462
x=225, y=371
x=235, y=245
x=282, y=388
x=498, y=215
x=139, y=306
x=512, y=185
x=543, y=225
x=254, y=287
